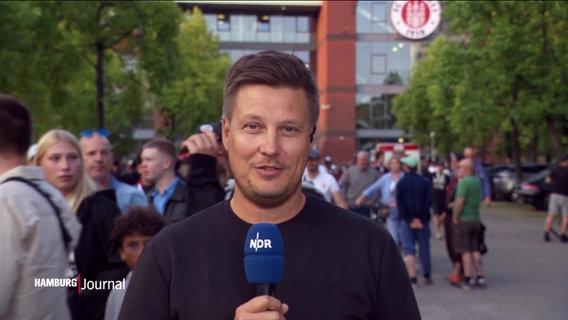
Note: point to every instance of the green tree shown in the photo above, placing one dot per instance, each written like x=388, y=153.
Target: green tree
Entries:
x=195, y=96
x=76, y=63
x=512, y=40
x=107, y=64
x=499, y=71
x=141, y=33
x=37, y=68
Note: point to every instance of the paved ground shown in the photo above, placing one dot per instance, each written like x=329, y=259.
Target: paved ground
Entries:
x=526, y=277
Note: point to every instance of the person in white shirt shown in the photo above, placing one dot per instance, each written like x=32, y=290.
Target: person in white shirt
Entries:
x=323, y=181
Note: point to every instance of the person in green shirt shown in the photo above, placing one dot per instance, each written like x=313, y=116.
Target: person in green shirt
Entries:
x=467, y=224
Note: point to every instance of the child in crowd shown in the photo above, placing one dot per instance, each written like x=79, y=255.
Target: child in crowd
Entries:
x=131, y=232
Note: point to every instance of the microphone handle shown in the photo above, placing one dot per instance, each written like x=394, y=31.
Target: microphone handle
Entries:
x=266, y=289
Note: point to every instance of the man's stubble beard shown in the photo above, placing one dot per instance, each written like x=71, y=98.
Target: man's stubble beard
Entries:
x=267, y=201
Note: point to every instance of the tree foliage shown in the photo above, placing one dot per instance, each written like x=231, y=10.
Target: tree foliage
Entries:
x=129, y=59
x=498, y=72
x=195, y=95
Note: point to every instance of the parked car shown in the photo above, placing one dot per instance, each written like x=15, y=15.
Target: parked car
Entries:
x=491, y=171
x=534, y=190
x=504, y=180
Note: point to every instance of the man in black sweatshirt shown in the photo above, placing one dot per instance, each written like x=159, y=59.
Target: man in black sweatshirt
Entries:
x=414, y=199
x=338, y=265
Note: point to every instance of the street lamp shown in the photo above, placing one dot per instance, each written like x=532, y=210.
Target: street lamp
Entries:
x=433, y=145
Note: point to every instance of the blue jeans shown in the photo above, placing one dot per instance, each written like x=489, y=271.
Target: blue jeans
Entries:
x=364, y=211
x=422, y=236
x=393, y=226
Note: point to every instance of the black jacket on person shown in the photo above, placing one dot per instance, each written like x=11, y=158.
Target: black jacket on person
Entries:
x=176, y=206
x=414, y=197
x=97, y=258
x=203, y=187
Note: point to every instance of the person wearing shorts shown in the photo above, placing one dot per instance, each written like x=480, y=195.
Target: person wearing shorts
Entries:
x=467, y=224
x=558, y=201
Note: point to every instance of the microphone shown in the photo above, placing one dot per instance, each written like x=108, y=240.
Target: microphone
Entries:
x=264, y=257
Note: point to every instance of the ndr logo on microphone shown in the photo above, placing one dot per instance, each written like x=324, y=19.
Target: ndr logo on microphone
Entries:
x=260, y=243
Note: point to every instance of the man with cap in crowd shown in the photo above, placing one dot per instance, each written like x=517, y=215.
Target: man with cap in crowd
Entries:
x=323, y=181
x=414, y=199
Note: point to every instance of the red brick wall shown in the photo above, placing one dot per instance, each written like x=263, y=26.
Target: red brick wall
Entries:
x=336, y=36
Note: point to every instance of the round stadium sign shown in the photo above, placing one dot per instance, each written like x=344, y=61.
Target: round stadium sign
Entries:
x=415, y=19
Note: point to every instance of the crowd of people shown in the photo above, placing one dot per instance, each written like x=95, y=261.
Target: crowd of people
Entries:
x=406, y=193
x=70, y=211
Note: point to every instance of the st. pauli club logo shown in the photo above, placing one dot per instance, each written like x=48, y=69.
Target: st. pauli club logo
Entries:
x=415, y=19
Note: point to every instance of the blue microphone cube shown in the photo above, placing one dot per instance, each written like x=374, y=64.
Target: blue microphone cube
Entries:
x=264, y=254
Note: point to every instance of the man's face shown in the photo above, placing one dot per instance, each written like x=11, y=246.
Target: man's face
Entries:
x=395, y=166
x=313, y=165
x=131, y=249
x=97, y=156
x=468, y=153
x=362, y=161
x=154, y=165
x=465, y=168
x=267, y=140
x=461, y=171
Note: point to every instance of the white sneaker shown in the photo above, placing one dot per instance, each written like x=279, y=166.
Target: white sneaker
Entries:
x=464, y=286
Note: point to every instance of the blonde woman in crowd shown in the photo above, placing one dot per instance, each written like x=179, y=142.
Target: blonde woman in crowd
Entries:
x=59, y=155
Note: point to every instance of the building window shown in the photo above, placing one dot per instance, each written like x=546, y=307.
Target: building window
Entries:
x=260, y=28
x=289, y=29
x=263, y=23
x=223, y=22
x=372, y=17
x=302, y=25
x=378, y=12
x=378, y=64
x=376, y=60
x=374, y=112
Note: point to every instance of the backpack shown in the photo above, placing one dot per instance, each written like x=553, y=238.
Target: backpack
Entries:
x=64, y=233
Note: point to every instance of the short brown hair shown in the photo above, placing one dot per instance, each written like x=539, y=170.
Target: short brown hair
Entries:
x=271, y=68
x=163, y=146
x=15, y=126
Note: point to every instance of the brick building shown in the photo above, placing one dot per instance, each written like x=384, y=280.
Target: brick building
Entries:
x=359, y=60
